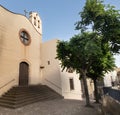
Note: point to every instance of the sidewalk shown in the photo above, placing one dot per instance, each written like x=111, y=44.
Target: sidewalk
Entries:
x=53, y=107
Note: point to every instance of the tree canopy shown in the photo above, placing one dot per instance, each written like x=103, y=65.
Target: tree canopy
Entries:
x=90, y=52
x=104, y=20
x=97, y=70
x=79, y=54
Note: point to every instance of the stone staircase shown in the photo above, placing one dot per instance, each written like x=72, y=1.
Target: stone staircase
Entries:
x=23, y=95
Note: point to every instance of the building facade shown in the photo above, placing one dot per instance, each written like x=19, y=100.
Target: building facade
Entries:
x=26, y=60
x=112, y=79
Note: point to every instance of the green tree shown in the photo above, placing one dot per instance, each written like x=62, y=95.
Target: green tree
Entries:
x=88, y=52
x=105, y=20
x=79, y=54
x=92, y=12
x=97, y=70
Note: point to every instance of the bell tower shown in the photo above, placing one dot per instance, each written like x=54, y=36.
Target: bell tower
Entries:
x=36, y=21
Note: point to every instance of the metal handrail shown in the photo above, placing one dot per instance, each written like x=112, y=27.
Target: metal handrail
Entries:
x=114, y=93
x=7, y=83
x=54, y=84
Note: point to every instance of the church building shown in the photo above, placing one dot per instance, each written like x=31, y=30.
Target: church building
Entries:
x=26, y=60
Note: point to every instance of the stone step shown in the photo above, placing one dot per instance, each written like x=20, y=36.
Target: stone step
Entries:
x=20, y=96
x=26, y=96
x=30, y=99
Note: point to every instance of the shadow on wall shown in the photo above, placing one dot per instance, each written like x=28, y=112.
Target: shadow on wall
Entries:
x=1, y=42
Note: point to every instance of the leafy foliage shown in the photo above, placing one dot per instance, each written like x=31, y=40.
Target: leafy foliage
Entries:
x=79, y=53
x=89, y=53
x=104, y=20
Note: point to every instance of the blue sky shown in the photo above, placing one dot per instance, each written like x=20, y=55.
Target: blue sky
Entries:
x=58, y=16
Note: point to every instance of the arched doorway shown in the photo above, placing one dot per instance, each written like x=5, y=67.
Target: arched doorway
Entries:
x=23, y=74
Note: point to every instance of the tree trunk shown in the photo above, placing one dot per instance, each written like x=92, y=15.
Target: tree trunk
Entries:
x=96, y=91
x=86, y=88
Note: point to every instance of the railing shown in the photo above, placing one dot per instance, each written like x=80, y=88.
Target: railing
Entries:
x=7, y=83
x=114, y=93
x=53, y=84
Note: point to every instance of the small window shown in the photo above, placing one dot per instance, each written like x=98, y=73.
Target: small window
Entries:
x=35, y=21
x=71, y=84
x=38, y=24
x=48, y=62
x=70, y=70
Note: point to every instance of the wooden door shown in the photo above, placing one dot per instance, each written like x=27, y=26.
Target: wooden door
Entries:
x=23, y=73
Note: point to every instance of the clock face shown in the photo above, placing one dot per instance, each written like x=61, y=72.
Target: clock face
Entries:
x=25, y=37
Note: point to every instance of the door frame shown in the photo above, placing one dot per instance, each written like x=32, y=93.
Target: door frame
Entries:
x=22, y=73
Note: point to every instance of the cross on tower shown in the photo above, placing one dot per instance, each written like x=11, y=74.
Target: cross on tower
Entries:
x=25, y=12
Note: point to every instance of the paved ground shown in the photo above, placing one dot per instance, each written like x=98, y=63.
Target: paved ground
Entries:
x=54, y=107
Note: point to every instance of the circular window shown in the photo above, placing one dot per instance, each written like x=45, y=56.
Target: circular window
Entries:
x=25, y=37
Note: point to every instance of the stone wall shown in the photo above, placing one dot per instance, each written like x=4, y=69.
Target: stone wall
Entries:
x=110, y=106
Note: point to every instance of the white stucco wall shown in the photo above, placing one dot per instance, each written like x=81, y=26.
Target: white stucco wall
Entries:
x=52, y=75
x=37, y=54
x=12, y=50
x=66, y=91
x=109, y=77
x=50, y=72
